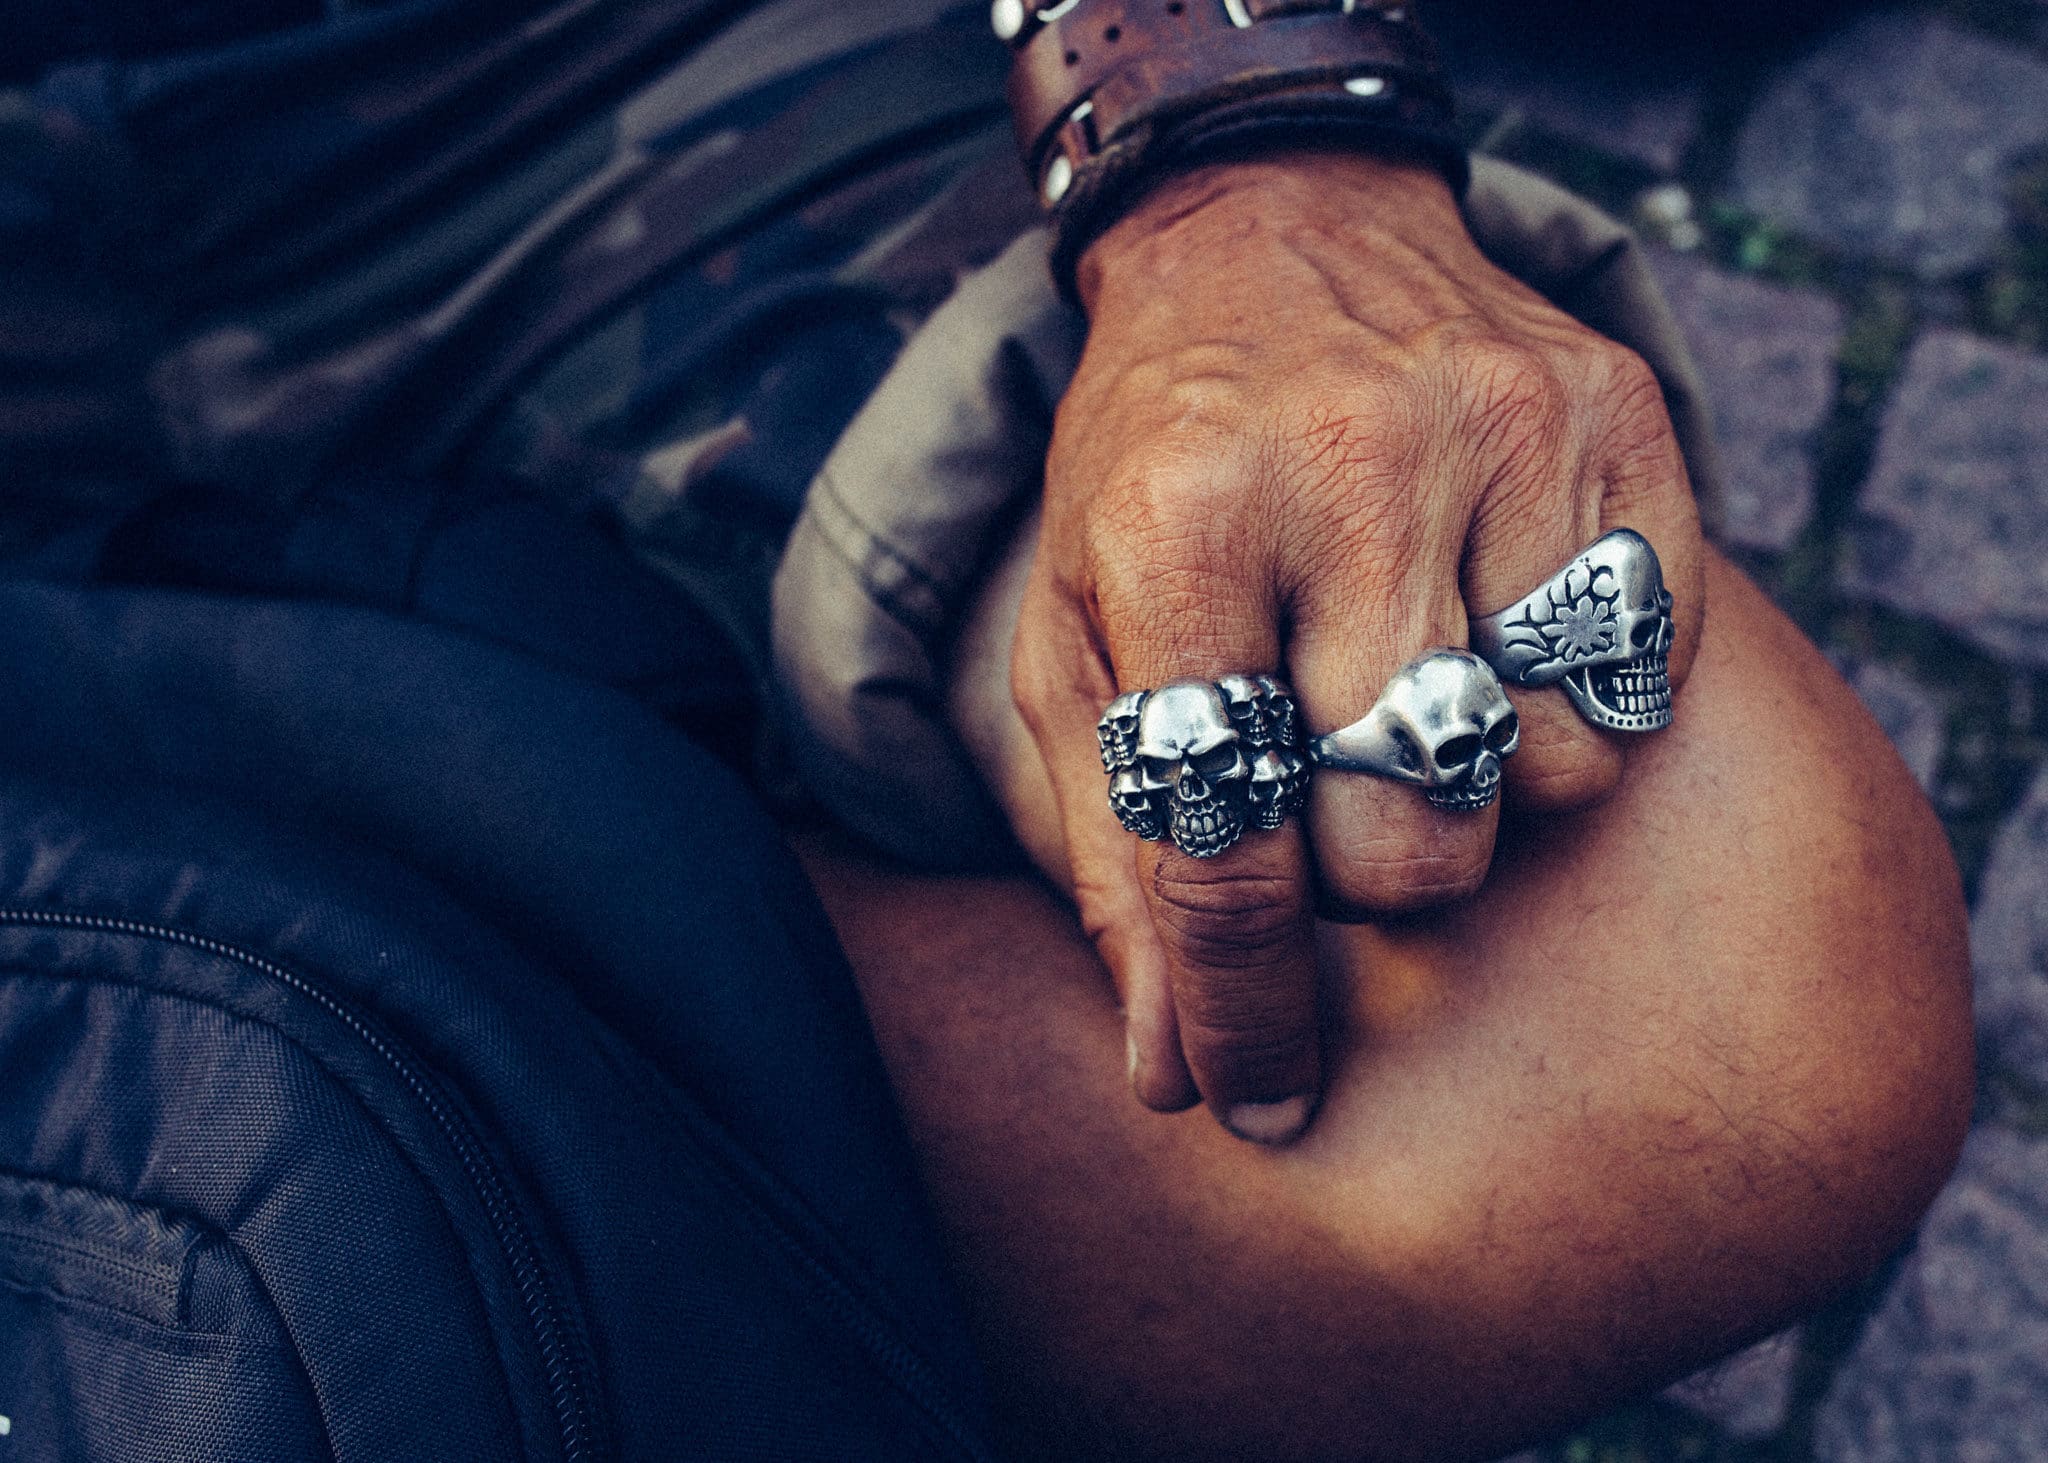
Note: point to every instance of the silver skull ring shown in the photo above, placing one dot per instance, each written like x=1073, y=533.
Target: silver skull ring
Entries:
x=1601, y=627
x=1443, y=723
x=1201, y=761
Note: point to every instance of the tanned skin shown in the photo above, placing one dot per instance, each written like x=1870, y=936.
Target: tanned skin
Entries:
x=1314, y=428
x=1690, y=1062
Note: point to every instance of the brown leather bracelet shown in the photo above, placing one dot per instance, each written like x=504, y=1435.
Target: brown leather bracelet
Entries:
x=1109, y=95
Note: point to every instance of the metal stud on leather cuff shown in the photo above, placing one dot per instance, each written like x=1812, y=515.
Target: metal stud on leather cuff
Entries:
x=1107, y=95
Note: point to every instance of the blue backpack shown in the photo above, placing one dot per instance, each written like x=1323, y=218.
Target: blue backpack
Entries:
x=410, y=1052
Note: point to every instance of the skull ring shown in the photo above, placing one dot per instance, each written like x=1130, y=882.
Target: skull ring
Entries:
x=1601, y=626
x=1201, y=761
x=1443, y=723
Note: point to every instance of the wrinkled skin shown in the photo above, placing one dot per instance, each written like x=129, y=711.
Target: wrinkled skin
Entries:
x=1312, y=429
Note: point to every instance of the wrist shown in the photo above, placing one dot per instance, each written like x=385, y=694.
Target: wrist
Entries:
x=1225, y=210
x=1110, y=97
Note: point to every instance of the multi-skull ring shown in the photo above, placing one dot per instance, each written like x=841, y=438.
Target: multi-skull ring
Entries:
x=1201, y=761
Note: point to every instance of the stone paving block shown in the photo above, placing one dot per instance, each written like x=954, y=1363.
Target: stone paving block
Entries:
x=1747, y=1395
x=2009, y=943
x=1769, y=358
x=1914, y=717
x=1651, y=120
x=1953, y=522
x=1894, y=138
x=1954, y=1363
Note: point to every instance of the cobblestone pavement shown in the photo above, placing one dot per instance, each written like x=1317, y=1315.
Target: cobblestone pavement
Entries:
x=1854, y=230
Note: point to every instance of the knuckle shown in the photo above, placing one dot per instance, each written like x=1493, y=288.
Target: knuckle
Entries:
x=1223, y=921
x=1350, y=434
x=1635, y=436
x=1624, y=381
x=1156, y=484
x=1397, y=882
x=1579, y=773
x=1231, y=1045
x=1166, y=510
x=1350, y=468
x=1339, y=447
x=1201, y=395
x=1174, y=552
x=1517, y=403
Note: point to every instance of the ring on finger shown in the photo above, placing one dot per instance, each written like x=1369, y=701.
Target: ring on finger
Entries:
x=1201, y=761
x=1443, y=723
x=1600, y=627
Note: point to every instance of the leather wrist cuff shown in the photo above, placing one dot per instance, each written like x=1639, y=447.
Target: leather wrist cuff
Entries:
x=1108, y=96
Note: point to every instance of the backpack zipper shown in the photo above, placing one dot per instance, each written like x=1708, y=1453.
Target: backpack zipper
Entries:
x=567, y=1387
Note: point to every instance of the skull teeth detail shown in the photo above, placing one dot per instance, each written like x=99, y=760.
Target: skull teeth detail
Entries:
x=1197, y=761
x=1271, y=813
x=1462, y=797
x=1139, y=818
x=1205, y=830
x=1635, y=696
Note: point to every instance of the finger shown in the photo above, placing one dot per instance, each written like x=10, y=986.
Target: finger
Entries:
x=1236, y=926
x=1620, y=469
x=1539, y=508
x=1381, y=846
x=1061, y=687
x=1236, y=932
x=1646, y=488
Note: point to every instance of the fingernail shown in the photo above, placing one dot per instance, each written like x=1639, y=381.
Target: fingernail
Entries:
x=1268, y=1122
x=1131, y=1057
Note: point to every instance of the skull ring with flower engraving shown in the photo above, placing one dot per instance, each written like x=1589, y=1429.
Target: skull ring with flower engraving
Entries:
x=1601, y=627
x=1201, y=761
x=1442, y=723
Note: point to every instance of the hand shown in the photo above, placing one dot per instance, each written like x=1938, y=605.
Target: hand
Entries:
x=1313, y=426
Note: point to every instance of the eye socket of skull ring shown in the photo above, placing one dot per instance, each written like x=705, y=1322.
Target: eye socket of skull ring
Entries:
x=1458, y=750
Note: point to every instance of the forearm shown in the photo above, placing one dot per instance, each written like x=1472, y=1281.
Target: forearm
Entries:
x=1688, y=1063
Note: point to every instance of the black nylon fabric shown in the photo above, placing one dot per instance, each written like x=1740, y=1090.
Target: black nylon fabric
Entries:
x=112, y=1352
x=412, y=1044
x=590, y=954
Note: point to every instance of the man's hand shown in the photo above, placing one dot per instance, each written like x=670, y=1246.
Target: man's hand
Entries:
x=1312, y=429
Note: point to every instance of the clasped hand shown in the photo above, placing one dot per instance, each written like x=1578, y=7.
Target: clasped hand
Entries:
x=1315, y=432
